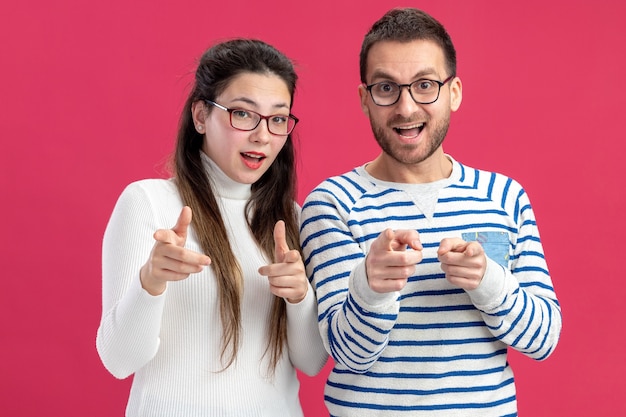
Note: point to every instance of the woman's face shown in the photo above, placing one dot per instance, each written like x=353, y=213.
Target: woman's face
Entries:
x=244, y=155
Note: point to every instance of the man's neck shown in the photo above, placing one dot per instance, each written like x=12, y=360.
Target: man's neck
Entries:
x=436, y=167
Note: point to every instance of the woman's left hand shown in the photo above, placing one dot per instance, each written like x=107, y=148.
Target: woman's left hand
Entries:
x=287, y=276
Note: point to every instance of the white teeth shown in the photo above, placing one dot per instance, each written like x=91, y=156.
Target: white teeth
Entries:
x=418, y=126
x=252, y=156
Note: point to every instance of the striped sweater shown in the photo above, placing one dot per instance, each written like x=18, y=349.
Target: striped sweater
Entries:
x=431, y=349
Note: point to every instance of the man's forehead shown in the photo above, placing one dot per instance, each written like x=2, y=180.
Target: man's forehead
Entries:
x=413, y=58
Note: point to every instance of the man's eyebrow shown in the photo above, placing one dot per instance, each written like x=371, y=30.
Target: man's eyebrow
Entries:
x=426, y=72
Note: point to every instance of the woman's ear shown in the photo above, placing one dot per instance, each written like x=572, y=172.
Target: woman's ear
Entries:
x=198, y=114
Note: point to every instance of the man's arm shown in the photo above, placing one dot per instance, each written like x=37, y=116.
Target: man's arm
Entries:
x=355, y=314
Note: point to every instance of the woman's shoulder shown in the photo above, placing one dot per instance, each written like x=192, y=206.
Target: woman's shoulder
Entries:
x=154, y=192
x=151, y=187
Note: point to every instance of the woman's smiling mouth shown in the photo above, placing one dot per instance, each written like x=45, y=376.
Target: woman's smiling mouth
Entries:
x=252, y=160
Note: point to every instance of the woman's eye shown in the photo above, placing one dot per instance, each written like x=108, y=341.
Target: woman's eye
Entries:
x=279, y=119
x=241, y=114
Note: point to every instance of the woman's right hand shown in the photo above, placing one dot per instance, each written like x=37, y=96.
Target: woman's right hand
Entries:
x=169, y=260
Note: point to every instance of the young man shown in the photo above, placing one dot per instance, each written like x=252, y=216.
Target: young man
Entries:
x=426, y=270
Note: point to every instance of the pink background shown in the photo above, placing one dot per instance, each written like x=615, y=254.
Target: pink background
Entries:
x=90, y=94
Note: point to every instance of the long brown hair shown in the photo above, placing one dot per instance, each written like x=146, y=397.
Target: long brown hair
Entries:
x=272, y=199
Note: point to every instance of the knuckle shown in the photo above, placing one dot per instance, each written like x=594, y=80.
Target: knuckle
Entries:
x=399, y=284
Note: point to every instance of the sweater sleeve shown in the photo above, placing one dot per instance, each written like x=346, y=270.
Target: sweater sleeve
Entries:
x=306, y=350
x=518, y=303
x=353, y=320
x=128, y=335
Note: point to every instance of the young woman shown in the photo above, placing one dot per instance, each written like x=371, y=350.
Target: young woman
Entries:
x=205, y=297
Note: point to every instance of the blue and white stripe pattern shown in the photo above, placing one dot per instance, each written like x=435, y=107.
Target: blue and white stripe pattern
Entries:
x=432, y=349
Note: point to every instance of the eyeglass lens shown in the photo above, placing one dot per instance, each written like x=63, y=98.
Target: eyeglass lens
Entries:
x=248, y=120
x=422, y=91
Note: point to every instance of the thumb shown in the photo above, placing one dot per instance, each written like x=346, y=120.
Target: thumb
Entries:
x=386, y=239
x=451, y=245
x=280, y=242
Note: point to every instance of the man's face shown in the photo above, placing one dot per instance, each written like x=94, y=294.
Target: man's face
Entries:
x=408, y=132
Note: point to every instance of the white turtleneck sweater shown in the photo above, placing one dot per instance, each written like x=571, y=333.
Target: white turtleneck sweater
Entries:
x=171, y=342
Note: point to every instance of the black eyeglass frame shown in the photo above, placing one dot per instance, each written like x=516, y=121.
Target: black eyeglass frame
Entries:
x=408, y=86
x=261, y=117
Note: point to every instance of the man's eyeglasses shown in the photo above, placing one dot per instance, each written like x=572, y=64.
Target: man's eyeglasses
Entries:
x=422, y=91
x=246, y=120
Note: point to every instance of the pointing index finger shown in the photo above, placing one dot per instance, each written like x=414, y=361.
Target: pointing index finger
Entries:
x=409, y=237
x=183, y=222
x=280, y=242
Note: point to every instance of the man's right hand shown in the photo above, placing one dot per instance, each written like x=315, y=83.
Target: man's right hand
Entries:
x=389, y=264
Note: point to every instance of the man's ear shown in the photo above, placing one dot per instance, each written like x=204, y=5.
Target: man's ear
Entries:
x=456, y=93
x=363, y=94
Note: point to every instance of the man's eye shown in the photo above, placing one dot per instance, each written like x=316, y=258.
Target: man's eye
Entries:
x=386, y=88
x=424, y=85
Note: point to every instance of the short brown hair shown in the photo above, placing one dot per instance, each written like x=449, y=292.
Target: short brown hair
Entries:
x=405, y=25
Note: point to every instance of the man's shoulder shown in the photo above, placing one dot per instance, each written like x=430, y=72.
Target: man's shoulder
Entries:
x=350, y=183
x=486, y=177
x=484, y=185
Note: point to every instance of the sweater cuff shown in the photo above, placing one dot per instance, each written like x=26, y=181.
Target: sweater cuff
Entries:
x=365, y=296
x=306, y=301
x=143, y=297
x=491, y=289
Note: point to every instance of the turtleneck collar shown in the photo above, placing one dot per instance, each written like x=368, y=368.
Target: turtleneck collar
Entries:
x=223, y=185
